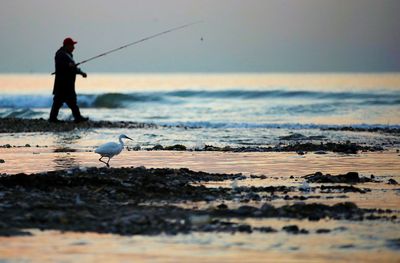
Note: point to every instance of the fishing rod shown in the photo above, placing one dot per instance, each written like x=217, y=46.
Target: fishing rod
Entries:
x=136, y=42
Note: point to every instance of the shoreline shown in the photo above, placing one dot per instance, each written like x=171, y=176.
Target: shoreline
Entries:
x=19, y=125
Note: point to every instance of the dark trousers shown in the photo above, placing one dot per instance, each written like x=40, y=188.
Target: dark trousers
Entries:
x=58, y=101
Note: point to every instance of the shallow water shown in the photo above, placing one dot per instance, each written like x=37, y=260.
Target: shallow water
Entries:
x=348, y=241
x=272, y=164
x=87, y=140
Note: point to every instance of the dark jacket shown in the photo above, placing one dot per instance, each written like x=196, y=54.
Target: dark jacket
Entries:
x=64, y=83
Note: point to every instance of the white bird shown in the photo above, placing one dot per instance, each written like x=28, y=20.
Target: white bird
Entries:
x=110, y=149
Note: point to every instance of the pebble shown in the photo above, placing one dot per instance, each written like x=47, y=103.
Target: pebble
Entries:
x=245, y=228
x=392, y=181
x=200, y=219
x=294, y=229
x=323, y=231
x=222, y=206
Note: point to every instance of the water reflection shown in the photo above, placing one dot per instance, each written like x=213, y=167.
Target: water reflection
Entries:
x=65, y=144
x=65, y=161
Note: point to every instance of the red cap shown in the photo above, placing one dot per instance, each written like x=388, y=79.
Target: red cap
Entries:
x=69, y=41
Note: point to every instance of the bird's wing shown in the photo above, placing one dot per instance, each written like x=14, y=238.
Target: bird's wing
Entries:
x=110, y=148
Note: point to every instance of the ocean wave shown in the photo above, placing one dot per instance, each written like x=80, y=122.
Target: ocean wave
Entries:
x=25, y=101
x=25, y=113
x=123, y=100
x=281, y=93
x=115, y=100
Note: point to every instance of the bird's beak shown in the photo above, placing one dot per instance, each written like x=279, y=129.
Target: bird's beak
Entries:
x=128, y=138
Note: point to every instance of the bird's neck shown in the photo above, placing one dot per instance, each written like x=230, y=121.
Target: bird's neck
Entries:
x=121, y=142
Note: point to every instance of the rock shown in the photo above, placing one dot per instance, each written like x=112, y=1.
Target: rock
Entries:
x=350, y=178
x=13, y=232
x=291, y=229
x=211, y=148
x=323, y=231
x=222, y=206
x=266, y=229
x=227, y=149
x=294, y=229
x=158, y=147
x=176, y=147
x=136, y=148
x=343, y=189
x=346, y=246
x=245, y=228
x=200, y=219
x=132, y=219
x=258, y=177
x=246, y=210
x=392, y=181
x=294, y=136
x=265, y=208
x=209, y=198
x=314, y=217
x=2, y=161
x=253, y=196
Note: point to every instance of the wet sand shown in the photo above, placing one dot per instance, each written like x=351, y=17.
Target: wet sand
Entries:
x=277, y=247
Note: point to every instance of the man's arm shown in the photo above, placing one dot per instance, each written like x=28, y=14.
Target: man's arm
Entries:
x=80, y=72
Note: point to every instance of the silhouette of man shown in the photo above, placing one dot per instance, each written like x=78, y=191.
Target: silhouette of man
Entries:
x=64, y=83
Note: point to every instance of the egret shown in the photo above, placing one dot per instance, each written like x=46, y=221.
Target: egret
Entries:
x=110, y=149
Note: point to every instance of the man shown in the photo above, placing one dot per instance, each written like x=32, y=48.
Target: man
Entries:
x=64, y=83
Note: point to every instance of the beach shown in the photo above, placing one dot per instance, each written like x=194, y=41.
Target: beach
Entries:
x=200, y=131
x=156, y=205
x=228, y=168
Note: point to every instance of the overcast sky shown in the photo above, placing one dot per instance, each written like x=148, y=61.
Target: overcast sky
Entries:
x=238, y=35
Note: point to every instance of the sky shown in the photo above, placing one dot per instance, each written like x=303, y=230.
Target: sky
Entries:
x=235, y=35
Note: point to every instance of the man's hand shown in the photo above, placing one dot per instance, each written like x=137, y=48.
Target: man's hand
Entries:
x=84, y=74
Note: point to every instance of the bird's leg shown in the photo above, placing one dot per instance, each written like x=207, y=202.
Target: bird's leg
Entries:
x=104, y=161
x=109, y=158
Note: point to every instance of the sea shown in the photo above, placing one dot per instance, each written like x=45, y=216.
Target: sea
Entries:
x=236, y=109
